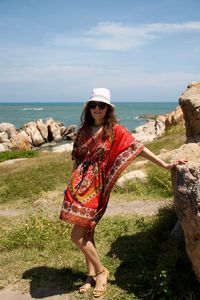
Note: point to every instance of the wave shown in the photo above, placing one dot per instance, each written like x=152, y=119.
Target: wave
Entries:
x=32, y=108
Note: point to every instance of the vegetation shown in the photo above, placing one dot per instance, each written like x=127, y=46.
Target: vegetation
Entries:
x=30, y=179
x=173, y=138
x=157, y=186
x=144, y=262
x=17, y=154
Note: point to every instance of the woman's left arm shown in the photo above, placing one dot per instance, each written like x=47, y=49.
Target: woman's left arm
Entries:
x=146, y=153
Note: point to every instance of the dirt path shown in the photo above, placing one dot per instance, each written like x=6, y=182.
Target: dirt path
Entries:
x=9, y=293
x=138, y=207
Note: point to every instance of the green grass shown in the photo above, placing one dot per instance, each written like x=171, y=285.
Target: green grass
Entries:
x=157, y=185
x=143, y=261
x=27, y=181
x=17, y=154
x=173, y=138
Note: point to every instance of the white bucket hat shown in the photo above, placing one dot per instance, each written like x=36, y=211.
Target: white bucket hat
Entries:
x=102, y=95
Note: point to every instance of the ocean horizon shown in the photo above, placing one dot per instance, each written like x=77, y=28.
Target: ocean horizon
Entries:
x=128, y=113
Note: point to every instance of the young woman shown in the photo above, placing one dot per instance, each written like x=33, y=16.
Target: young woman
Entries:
x=102, y=150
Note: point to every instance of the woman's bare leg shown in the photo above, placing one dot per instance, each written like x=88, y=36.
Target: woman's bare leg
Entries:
x=90, y=237
x=85, y=242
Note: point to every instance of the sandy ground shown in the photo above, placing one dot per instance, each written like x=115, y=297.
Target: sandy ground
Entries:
x=9, y=293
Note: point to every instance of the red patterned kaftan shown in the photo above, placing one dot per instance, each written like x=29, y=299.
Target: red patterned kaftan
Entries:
x=100, y=162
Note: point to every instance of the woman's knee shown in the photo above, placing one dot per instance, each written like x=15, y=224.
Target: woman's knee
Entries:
x=77, y=235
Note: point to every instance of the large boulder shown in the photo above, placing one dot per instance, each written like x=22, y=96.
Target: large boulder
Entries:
x=186, y=178
x=150, y=130
x=186, y=187
x=53, y=128
x=42, y=127
x=68, y=133
x=190, y=104
x=9, y=128
x=3, y=148
x=21, y=141
x=174, y=118
x=131, y=176
x=157, y=125
x=63, y=148
x=32, y=131
x=4, y=137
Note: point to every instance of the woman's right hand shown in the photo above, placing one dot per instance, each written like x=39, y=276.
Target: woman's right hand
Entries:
x=173, y=164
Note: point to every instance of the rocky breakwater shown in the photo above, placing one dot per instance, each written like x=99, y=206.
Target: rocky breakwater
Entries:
x=157, y=125
x=34, y=134
x=186, y=178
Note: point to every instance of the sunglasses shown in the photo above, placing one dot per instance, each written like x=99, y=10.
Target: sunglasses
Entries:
x=94, y=104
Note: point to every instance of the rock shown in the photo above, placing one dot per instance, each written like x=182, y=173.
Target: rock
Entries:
x=147, y=117
x=68, y=133
x=35, y=134
x=186, y=187
x=157, y=126
x=150, y=130
x=20, y=141
x=42, y=127
x=53, y=130
x=174, y=118
x=140, y=163
x=32, y=131
x=71, y=136
x=190, y=152
x=190, y=104
x=9, y=128
x=63, y=148
x=4, y=137
x=3, y=148
x=186, y=178
x=138, y=174
x=46, y=145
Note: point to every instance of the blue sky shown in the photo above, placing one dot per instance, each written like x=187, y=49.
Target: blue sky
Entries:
x=58, y=50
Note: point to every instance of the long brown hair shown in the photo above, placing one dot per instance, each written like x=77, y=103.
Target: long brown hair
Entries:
x=110, y=119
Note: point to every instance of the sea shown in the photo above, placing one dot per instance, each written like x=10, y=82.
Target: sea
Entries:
x=128, y=113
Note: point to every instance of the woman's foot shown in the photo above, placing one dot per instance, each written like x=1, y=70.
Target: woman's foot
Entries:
x=90, y=281
x=101, y=283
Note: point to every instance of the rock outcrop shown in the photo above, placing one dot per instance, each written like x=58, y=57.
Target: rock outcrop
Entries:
x=190, y=104
x=186, y=178
x=34, y=134
x=157, y=125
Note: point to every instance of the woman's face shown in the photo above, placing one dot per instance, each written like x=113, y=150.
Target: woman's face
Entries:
x=98, y=112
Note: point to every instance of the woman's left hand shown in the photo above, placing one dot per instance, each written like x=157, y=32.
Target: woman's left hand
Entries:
x=173, y=164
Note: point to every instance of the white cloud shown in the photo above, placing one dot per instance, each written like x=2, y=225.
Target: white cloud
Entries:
x=117, y=36
x=115, y=77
